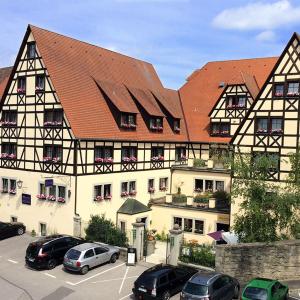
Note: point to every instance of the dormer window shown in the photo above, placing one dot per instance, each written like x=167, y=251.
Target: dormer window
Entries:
x=31, y=50
x=40, y=83
x=9, y=118
x=279, y=90
x=21, y=89
x=293, y=89
x=128, y=121
x=236, y=102
x=156, y=124
x=176, y=125
x=220, y=129
x=53, y=117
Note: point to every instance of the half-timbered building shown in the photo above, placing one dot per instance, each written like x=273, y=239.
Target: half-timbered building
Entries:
x=272, y=124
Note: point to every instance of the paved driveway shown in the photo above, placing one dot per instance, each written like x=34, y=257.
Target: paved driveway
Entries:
x=108, y=282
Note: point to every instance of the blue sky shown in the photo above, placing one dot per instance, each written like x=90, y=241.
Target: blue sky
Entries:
x=176, y=36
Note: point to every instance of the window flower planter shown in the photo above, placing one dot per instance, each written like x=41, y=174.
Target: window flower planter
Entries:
x=128, y=126
x=182, y=157
x=198, y=190
x=98, y=198
x=163, y=188
x=278, y=94
x=12, y=192
x=54, y=123
x=51, y=198
x=151, y=190
x=41, y=196
x=124, y=194
x=56, y=159
x=39, y=89
x=61, y=200
x=4, y=155
x=160, y=128
x=8, y=123
x=108, y=160
x=12, y=156
x=21, y=91
x=292, y=94
x=129, y=159
x=277, y=131
x=153, y=127
x=262, y=131
x=132, y=193
x=177, y=129
x=158, y=158
x=108, y=197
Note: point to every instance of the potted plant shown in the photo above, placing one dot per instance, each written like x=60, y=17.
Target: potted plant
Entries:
x=201, y=200
x=199, y=163
x=179, y=199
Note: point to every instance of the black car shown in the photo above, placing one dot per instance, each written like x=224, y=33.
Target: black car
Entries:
x=11, y=229
x=49, y=251
x=161, y=282
x=210, y=285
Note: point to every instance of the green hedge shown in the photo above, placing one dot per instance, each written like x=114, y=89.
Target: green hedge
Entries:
x=179, y=198
x=199, y=163
x=105, y=231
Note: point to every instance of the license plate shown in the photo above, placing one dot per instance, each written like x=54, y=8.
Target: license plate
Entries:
x=142, y=290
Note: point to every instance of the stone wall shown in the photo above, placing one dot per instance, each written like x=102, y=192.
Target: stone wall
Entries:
x=279, y=260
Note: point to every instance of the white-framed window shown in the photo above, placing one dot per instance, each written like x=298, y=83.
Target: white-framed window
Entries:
x=128, y=188
x=9, y=185
x=199, y=227
x=163, y=184
x=208, y=185
x=4, y=185
x=151, y=186
x=190, y=225
x=102, y=192
x=55, y=192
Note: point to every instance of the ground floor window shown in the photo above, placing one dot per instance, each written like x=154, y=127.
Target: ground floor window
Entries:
x=199, y=227
x=163, y=184
x=220, y=186
x=190, y=225
x=9, y=186
x=102, y=192
x=208, y=185
x=43, y=229
x=178, y=221
x=123, y=226
x=14, y=219
x=198, y=185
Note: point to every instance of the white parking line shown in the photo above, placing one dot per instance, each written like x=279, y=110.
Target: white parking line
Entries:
x=47, y=274
x=72, y=283
x=115, y=279
x=12, y=261
x=126, y=296
x=121, y=286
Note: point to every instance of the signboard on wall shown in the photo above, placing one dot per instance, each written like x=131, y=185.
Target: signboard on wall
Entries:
x=26, y=199
x=48, y=182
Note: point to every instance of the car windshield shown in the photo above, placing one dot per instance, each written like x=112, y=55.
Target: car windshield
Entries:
x=195, y=289
x=73, y=254
x=255, y=293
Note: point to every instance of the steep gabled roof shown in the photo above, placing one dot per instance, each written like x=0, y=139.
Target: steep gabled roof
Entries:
x=81, y=72
x=4, y=76
x=132, y=207
x=201, y=91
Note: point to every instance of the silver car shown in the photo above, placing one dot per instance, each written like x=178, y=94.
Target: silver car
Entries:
x=89, y=255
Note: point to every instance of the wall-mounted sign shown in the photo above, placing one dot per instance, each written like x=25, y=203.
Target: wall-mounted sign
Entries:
x=26, y=199
x=48, y=182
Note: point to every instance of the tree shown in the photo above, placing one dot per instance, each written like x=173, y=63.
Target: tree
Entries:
x=269, y=210
x=105, y=231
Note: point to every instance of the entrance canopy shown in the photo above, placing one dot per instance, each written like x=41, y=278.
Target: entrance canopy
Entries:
x=132, y=207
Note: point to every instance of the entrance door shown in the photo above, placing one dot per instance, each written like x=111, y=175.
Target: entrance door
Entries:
x=144, y=220
x=43, y=229
x=224, y=227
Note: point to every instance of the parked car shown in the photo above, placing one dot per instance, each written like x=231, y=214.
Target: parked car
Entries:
x=89, y=255
x=49, y=251
x=265, y=289
x=212, y=286
x=161, y=282
x=11, y=229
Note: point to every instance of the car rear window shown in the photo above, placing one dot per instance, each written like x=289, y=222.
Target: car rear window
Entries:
x=33, y=249
x=147, y=281
x=255, y=293
x=195, y=289
x=73, y=254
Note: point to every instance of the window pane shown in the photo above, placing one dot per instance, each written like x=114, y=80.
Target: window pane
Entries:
x=178, y=221
x=199, y=227
x=188, y=225
x=4, y=185
x=220, y=186
x=276, y=125
x=124, y=186
x=215, y=128
x=198, y=185
x=97, y=190
x=131, y=186
x=107, y=190
x=241, y=101
x=13, y=184
x=52, y=190
x=208, y=185
x=62, y=192
x=293, y=89
x=262, y=125
x=279, y=89
x=42, y=189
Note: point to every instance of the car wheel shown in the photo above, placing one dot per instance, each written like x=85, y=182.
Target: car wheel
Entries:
x=84, y=270
x=236, y=292
x=113, y=258
x=20, y=231
x=166, y=296
x=51, y=264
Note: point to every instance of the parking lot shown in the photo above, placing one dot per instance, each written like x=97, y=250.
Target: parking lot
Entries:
x=110, y=281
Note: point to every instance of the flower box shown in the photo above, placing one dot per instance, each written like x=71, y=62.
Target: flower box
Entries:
x=12, y=192
x=47, y=158
x=151, y=190
x=157, y=158
x=21, y=91
x=8, y=123
x=182, y=157
x=61, y=200
x=124, y=194
x=153, y=127
x=108, y=197
x=276, y=131
x=262, y=131
x=278, y=94
x=4, y=155
x=52, y=123
x=51, y=198
x=177, y=129
x=163, y=188
x=12, y=156
x=56, y=159
x=98, y=198
x=198, y=190
x=128, y=126
x=160, y=128
x=39, y=89
x=41, y=196
x=132, y=193
x=107, y=160
x=293, y=94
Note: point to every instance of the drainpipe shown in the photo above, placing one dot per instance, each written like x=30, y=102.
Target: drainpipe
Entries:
x=75, y=174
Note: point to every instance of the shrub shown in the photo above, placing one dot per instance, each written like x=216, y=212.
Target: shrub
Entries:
x=199, y=163
x=105, y=231
x=202, y=198
x=221, y=195
x=179, y=198
x=161, y=237
x=33, y=233
x=198, y=254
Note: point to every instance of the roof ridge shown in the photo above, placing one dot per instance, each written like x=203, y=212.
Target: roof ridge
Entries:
x=241, y=59
x=89, y=44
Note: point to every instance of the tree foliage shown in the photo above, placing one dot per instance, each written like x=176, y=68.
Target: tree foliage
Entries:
x=269, y=211
x=105, y=231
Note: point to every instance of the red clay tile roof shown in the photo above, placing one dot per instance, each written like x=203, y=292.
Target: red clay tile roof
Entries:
x=4, y=76
x=201, y=91
x=78, y=69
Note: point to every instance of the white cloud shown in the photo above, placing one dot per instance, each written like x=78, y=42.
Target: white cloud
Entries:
x=266, y=36
x=258, y=15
